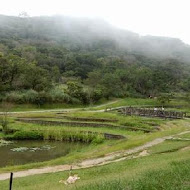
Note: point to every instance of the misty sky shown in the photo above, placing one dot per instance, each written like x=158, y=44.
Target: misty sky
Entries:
x=154, y=17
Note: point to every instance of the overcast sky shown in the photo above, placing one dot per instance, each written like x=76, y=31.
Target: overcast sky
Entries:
x=155, y=17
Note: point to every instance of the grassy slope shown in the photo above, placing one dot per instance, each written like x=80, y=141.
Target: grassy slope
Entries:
x=159, y=171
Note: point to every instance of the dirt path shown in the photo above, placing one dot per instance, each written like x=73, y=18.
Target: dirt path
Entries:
x=109, y=158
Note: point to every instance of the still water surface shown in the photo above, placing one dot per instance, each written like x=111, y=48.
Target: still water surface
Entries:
x=23, y=152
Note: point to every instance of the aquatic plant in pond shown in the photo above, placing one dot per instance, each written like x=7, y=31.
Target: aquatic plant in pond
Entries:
x=20, y=149
x=5, y=143
x=32, y=149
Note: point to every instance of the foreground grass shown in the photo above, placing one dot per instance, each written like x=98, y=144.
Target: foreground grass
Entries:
x=158, y=171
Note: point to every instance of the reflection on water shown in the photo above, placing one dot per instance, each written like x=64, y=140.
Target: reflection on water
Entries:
x=23, y=152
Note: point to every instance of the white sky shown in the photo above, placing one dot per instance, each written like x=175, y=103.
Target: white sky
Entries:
x=154, y=17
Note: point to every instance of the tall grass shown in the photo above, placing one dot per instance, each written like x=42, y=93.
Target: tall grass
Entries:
x=58, y=135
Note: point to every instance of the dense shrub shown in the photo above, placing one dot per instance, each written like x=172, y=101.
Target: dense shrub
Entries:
x=25, y=135
x=59, y=95
x=96, y=95
x=30, y=96
x=15, y=97
x=56, y=95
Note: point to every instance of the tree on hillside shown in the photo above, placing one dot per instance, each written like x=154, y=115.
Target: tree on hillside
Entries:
x=94, y=78
x=4, y=73
x=36, y=78
x=111, y=85
x=143, y=81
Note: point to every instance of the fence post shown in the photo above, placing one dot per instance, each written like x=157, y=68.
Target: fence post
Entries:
x=11, y=181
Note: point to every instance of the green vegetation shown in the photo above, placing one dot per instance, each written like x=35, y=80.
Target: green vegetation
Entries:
x=37, y=68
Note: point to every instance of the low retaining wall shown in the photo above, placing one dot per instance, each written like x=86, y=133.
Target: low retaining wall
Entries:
x=152, y=112
x=112, y=136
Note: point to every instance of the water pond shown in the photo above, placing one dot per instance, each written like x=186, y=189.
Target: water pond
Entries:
x=23, y=152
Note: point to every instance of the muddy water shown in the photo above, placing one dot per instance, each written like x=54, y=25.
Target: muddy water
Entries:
x=23, y=152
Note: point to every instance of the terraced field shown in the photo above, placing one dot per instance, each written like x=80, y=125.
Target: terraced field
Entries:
x=120, y=146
